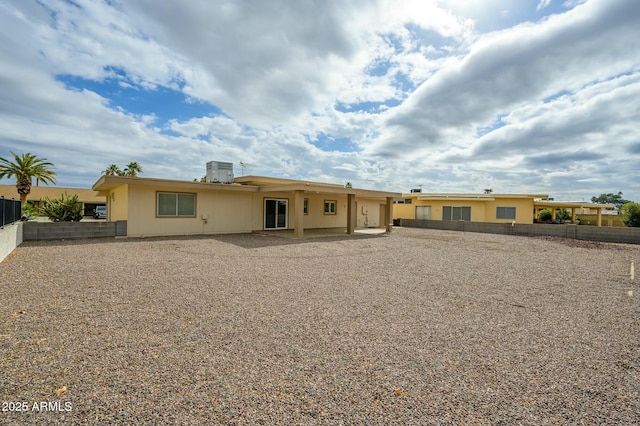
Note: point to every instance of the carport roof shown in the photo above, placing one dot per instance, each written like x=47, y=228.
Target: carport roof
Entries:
x=571, y=204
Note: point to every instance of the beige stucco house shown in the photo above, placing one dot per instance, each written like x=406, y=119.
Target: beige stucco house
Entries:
x=492, y=208
x=155, y=207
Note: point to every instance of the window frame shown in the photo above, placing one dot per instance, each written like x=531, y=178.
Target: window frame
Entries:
x=504, y=210
x=177, y=206
x=460, y=213
x=305, y=206
x=330, y=211
x=279, y=203
x=422, y=209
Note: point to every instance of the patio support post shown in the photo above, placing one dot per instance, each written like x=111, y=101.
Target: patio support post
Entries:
x=573, y=215
x=387, y=213
x=109, y=207
x=298, y=214
x=600, y=216
x=351, y=213
x=553, y=214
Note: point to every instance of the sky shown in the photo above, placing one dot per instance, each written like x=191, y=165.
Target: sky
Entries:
x=517, y=96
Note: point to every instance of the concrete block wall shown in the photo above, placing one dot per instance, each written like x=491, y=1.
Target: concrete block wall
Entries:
x=73, y=230
x=580, y=232
x=10, y=238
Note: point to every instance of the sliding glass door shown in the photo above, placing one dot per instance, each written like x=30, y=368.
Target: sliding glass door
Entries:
x=275, y=213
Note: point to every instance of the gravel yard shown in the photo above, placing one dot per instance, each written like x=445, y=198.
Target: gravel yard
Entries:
x=417, y=327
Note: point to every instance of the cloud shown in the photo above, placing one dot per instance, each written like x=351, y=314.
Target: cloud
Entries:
x=543, y=4
x=456, y=96
x=507, y=70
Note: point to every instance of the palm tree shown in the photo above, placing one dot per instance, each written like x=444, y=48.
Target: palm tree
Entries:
x=113, y=170
x=24, y=168
x=132, y=169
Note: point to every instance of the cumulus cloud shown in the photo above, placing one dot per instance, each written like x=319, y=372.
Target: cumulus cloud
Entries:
x=509, y=82
x=447, y=94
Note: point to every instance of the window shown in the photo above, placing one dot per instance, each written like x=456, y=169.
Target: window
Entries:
x=407, y=200
x=423, y=212
x=306, y=206
x=330, y=207
x=176, y=204
x=505, y=213
x=456, y=213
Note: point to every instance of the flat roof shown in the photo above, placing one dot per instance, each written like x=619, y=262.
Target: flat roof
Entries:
x=85, y=195
x=245, y=183
x=107, y=182
x=571, y=204
x=478, y=197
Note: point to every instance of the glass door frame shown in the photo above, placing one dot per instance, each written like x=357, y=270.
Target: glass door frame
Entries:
x=279, y=202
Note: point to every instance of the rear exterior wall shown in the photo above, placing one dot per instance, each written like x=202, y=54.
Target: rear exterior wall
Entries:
x=217, y=212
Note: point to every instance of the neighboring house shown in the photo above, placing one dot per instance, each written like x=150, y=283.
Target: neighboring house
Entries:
x=155, y=207
x=493, y=208
x=88, y=197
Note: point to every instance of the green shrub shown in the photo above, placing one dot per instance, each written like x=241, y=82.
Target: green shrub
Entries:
x=67, y=208
x=563, y=214
x=30, y=210
x=631, y=214
x=545, y=215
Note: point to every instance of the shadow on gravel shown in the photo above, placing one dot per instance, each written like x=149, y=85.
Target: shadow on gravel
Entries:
x=248, y=241
x=241, y=240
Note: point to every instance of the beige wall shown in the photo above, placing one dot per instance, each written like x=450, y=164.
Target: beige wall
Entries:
x=524, y=210
x=316, y=217
x=368, y=213
x=217, y=212
x=118, y=203
x=481, y=211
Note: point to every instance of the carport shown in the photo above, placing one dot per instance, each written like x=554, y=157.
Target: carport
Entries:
x=554, y=205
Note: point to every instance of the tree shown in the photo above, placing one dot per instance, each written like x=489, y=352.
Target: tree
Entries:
x=631, y=214
x=488, y=191
x=113, y=170
x=24, y=168
x=132, y=169
x=610, y=198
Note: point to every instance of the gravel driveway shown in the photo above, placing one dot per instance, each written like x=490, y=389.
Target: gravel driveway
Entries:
x=417, y=327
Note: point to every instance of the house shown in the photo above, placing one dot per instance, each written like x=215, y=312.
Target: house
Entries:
x=492, y=208
x=155, y=207
x=89, y=198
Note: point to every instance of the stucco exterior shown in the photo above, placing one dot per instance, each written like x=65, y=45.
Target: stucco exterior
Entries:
x=488, y=208
x=484, y=208
x=243, y=206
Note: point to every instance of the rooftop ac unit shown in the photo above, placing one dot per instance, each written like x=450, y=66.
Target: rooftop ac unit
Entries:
x=220, y=172
x=417, y=190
